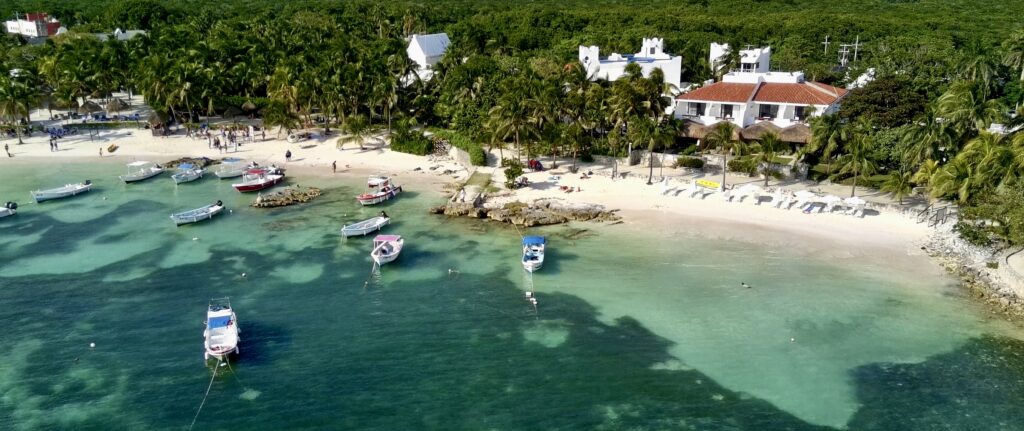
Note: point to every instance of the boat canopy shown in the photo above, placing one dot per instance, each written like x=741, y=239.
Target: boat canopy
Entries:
x=140, y=163
x=533, y=240
x=387, y=238
x=219, y=322
x=186, y=166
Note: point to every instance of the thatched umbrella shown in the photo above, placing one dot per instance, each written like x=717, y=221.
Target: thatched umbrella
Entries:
x=757, y=130
x=693, y=129
x=115, y=105
x=248, y=106
x=157, y=119
x=89, y=107
x=232, y=112
x=797, y=133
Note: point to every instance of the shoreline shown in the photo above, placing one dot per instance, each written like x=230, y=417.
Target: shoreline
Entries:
x=885, y=235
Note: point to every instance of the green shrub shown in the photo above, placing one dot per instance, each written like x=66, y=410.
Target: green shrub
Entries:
x=744, y=165
x=412, y=142
x=973, y=233
x=689, y=150
x=478, y=157
x=513, y=169
x=587, y=157
x=689, y=162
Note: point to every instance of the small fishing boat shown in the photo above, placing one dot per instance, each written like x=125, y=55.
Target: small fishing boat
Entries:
x=222, y=333
x=9, y=209
x=259, y=178
x=366, y=226
x=384, y=191
x=141, y=170
x=533, y=252
x=199, y=214
x=187, y=172
x=62, y=192
x=231, y=167
x=386, y=248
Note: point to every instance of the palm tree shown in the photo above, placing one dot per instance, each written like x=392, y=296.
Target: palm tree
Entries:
x=899, y=184
x=358, y=130
x=722, y=137
x=768, y=148
x=511, y=117
x=927, y=138
x=277, y=114
x=646, y=131
x=828, y=134
x=16, y=97
x=993, y=159
x=858, y=160
x=965, y=105
x=1013, y=52
x=953, y=179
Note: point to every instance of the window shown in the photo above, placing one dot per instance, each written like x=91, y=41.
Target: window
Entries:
x=768, y=112
x=798, y=113
x=695, y=109
x=727, y=111
x=652, y=50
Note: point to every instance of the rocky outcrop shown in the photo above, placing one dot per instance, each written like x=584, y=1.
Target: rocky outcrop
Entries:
x=287, y=196
x=978, y=270
x=202, y=162
x=540, y=212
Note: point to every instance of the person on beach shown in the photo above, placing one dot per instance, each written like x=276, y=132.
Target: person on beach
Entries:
x=334, y=167
x=264, y=133
x=101, y=151
x=7, y=149
x=288, y=155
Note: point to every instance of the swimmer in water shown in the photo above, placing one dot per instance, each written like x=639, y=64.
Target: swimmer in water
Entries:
x=744, y=284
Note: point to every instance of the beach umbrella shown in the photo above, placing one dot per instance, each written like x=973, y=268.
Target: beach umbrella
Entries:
x=797, y=133
x=115, y=105
x=157, y=119
x=89, y=107
x=831, y=200
x=248, y=106
x=231, y=112
x=757, y=130
x=854, y=201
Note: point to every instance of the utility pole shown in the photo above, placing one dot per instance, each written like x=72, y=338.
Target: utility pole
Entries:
x=856, y=48
x=826, y=43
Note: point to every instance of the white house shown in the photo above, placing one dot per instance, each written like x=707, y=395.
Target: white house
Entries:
x=34, y=25
x=120, y=35
x=426, y=50
x=757, y=100
x=751, y=59
x=651, y=56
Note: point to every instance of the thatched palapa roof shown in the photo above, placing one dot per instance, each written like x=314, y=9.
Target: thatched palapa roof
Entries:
x=89, y=107
x=757, y=130
x=798, y=133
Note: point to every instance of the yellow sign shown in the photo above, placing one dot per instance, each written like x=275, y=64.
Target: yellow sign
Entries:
x=708, y=184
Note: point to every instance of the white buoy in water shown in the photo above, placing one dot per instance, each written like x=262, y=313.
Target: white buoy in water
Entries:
x=92, y=345
x=792, y=340
x=195, y=238
x=243, y=275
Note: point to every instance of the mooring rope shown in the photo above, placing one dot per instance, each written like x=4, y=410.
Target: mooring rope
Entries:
x=233, y=373
x=205, y=396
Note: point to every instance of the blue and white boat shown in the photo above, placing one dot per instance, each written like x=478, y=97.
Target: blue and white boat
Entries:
x=187, y=172
x=222, y=333
x=231, y=167
x=8, y=209
x=199, y=214
x=533, y=252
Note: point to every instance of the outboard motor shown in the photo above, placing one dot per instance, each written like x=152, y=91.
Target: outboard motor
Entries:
x=88, y=182
x=219, y=203
x=11, y=205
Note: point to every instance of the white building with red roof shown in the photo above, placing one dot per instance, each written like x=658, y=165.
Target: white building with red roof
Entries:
x=749, y=99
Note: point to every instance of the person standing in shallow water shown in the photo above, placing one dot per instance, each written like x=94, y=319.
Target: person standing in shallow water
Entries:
x=288, y=155
x=334, y=167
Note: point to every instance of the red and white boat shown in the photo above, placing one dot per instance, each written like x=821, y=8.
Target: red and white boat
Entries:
x=385, y=190
x=259, y=179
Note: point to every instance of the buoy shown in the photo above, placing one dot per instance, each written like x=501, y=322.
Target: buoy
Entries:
x=92, y=345
x=243, y=275
x=104, y=198
x=792, y=340
x=195, y=238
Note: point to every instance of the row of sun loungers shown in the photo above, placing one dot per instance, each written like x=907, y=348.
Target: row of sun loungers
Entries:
x=807, y=201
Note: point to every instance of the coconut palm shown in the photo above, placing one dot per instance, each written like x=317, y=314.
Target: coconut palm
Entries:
x=721, y=137
x=767, y=150
x=511, y=119
x=1013, y=52
x=828, y=134
x=927, y=138
x=953, y=179
x=899, y=183
x=993, y=159
x=647, y=132
x=966, y=107
x=858, y=159
x=358, y=130
x=16, y=97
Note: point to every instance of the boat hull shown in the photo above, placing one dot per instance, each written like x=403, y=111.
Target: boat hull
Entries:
x=185, y=218
x=185, y=177
x=376, y=198
x=134, y=178
x=6, y=212
x=270, y=181
x=533, y=266
x=358, y=229
x=229, y=174
x=49, y=195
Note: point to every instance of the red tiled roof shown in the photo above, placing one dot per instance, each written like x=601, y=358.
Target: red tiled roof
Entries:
x=805, y=93
x=721, y=92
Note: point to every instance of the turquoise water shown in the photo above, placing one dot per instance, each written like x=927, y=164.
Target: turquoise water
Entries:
x=636, y=328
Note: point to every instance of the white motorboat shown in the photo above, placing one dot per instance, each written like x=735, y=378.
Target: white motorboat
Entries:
x=222, y=332
x=9, y=209
x=187, y=172
x=376, y=181
x=259, y=178
x=231, y=167
x=386, y=248
x=199, y=214
x=533, y=252
x=141, y=170
x=62, y=192
x=366, y=226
